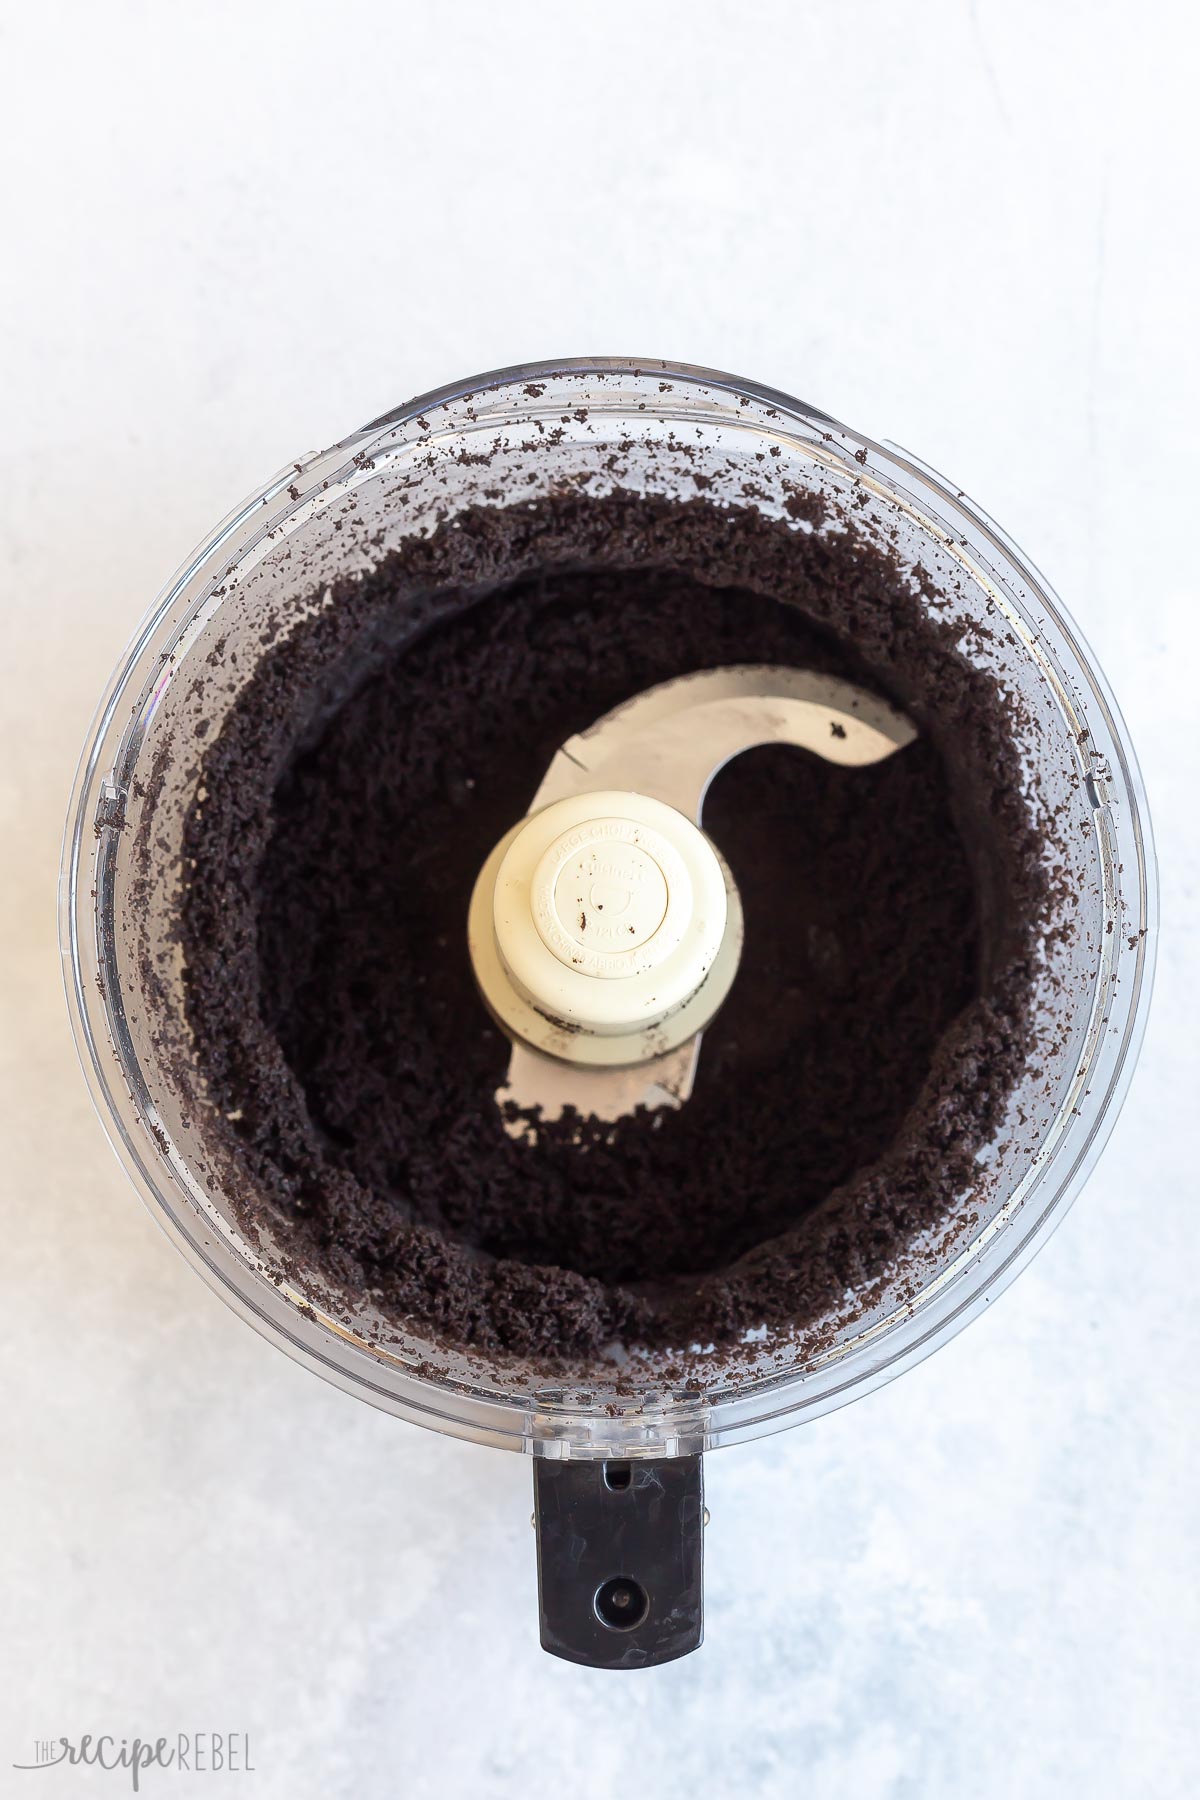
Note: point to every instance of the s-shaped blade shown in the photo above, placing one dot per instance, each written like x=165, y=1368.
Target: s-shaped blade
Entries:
x=668, y=743
x=673, y=739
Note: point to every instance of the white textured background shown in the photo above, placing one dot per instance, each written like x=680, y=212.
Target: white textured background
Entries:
x=232, y=232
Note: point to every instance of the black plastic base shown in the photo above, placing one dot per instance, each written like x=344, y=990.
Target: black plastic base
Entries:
x=620, y=1559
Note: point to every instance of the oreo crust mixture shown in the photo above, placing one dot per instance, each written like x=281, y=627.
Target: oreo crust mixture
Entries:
x=875, y=1029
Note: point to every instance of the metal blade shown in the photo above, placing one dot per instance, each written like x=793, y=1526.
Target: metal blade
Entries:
x=670, y=742
x=554, y=1087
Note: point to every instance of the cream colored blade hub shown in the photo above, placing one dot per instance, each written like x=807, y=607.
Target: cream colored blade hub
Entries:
x=605, y=929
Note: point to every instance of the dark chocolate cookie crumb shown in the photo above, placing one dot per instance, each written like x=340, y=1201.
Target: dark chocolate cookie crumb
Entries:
x=876, y=1027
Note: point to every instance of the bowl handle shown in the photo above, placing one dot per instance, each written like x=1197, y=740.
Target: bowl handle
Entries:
x=620, y=1549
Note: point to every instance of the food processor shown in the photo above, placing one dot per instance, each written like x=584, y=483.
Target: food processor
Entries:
x=605, y=928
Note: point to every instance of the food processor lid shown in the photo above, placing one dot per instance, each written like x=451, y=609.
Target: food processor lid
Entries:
x=605, y=928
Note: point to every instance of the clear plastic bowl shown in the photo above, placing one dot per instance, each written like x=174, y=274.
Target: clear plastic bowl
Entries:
x=612, y=418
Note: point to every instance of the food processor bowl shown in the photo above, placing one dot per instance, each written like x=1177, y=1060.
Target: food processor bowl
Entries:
x=513, y=437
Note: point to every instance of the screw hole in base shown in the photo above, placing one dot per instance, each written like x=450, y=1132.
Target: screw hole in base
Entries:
x=621, y=1603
